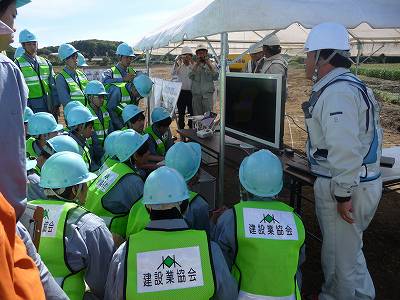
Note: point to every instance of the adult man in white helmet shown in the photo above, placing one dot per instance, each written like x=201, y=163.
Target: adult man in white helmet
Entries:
x=274, y=62
x=256, y=61
x=203, y=75
x=181, y=71
x=344, y=149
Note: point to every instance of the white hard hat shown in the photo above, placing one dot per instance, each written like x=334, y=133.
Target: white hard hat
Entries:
x=186, y=50
x=272, y=40
x=256, y=50
x=201, y=47
x=327, y=36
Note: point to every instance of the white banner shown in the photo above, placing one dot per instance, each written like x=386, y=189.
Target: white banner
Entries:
x=165, y=93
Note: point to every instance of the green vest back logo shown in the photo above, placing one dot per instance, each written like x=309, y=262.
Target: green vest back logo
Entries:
x=106, y=181
x=269, y=224
x=179, y=268
x=51, y=215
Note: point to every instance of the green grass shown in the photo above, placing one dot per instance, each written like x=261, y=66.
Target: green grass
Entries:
x=383, y=71
x=388, y=97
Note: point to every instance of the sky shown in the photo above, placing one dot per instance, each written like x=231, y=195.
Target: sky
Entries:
x=60, y=21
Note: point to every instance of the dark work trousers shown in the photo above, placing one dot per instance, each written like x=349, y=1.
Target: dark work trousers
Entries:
x=184, y=100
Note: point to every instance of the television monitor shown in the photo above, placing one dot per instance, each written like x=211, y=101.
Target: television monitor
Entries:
x=255, y=109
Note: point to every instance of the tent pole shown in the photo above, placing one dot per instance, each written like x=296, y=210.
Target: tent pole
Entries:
x=212, y=50
x=221, y=166
x=148, y=73
x=359, y=48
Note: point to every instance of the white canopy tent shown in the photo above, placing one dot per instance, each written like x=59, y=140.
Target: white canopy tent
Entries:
x=237, y=25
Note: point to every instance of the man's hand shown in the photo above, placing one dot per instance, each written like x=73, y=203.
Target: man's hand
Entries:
x=128, y=77
x=345, y=209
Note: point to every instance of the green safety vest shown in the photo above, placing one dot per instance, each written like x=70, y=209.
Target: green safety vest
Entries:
x=76, y=90
x=52, y=246
x=117, y=74
x=126, y=97
x=161, y=143
x=37, y=82
x=30, y=151
x=101, y=128
x=108, y=163
x=169, y=265
x=99, y=188
x=269, y=238
x=139, y=217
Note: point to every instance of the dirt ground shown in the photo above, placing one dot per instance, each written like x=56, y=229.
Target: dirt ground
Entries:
x=381, y=240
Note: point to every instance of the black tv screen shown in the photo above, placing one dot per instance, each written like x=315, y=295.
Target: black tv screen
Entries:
x=254, y=108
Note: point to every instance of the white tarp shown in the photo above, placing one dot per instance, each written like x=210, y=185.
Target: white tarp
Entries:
x=373, y=23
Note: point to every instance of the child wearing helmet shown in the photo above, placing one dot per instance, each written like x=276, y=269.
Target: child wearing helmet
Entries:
x=70, y=82
x=41, y=127
x=109, y=158
x=113, y=193
x=182, y=263
x=70, y=239
x=186, y=159
x=124, y=93
x=121, y=72
x=39, y=75
x=133, y=118
x=261, y=237
x=80, y=122
x=160, y=134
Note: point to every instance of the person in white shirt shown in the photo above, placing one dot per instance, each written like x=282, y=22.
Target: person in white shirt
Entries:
x=180, y=72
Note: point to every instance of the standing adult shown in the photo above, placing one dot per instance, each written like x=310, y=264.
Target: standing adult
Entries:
x=256, y=62
x=39, y=76
x=274, y=61
x=203, y=74
x=344, y=149
x=70, y=82
x=181, y=71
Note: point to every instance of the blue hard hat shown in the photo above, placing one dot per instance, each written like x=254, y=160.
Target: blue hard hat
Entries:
x=159, y=114
x=95, y=87
x=261, y=174
x=143, y=84
x=27, y=114
x=125, y=50
x=19, y=52
x=20, y=3
x=30, y=164
x=27, y=36
x=70, y=105
x=65, y=51
x=64, y=169
x=185, y=158
x=130, y=111
x=81, y=60
x=109, y=143
x=79, y=115
x=43, y=123
x=64, y=142
x=164, y=186
x=127, y=143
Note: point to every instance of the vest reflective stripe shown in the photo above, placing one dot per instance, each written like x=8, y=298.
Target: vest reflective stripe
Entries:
x=30, y=152
x=117, y=74
x=108, y=163
x=369, y=170
x=99, y=188
x=76, y=91
x=161, y=147
x=139, y=217
x=37, y=82
x=52, y=245
x=147, y=241
x=260, y=260
x=101, y=128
